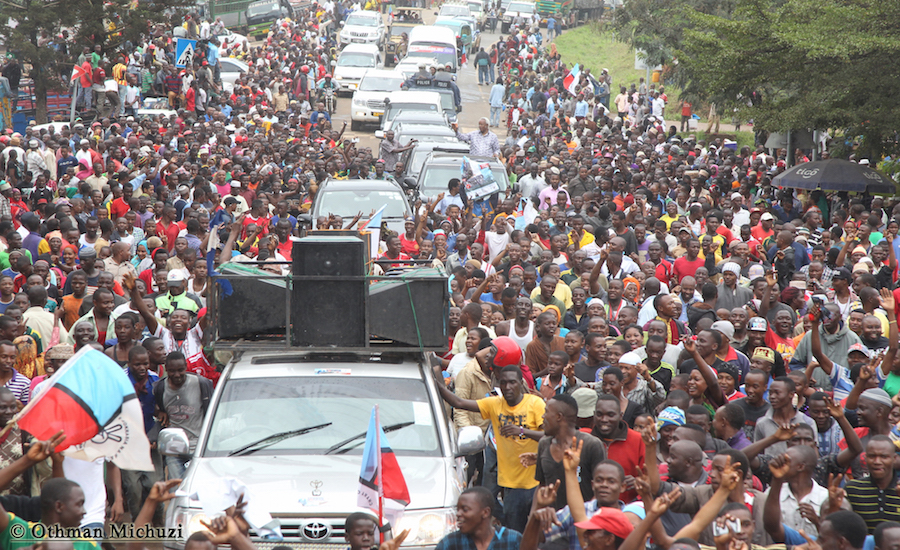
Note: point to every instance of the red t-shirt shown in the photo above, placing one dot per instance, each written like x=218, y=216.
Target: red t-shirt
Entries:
x=760, y=234
x=784, y=346
x=118, y=208
x=408, y=246
x=630, y=454
x=664, y=271
x=684, y=267
x=171, y=232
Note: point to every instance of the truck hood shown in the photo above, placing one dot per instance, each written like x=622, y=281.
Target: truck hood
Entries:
x=286, y=484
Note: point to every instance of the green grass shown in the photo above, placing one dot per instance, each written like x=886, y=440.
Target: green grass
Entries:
x=595, y=48
x=743, y=137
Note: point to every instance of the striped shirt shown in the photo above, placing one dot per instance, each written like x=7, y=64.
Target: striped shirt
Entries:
x=19, y=385
x=873, y=504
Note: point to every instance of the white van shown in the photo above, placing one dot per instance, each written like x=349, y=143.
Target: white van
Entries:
x=430, y=41
x=368, y=99
x=352, y=64
x=362, y=27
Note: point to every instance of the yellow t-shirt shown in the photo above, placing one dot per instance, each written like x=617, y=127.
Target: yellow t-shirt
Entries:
x=586, y=239
x=563, y=293
x=669, y=219
x=529, y=414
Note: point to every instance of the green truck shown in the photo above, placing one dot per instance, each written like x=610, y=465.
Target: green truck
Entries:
x=250, y=17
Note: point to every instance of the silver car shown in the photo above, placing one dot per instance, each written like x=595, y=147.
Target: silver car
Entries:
x=308, y=480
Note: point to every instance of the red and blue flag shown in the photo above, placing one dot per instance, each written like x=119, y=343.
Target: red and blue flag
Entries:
x=382, y=487
x=93, y=402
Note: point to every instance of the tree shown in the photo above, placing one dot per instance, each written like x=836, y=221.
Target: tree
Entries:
x=656, y=27
x=103, y=22
x=814, y=64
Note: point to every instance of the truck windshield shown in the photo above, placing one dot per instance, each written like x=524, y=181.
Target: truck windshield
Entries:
x=446, y=55
x=521, y=7
x=361, y=21
x=262, y=9
x=252, y=409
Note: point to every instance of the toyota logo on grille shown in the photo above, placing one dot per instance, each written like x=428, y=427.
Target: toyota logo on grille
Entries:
x=316, y=530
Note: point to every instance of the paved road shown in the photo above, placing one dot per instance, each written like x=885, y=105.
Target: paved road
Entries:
x=474, y=100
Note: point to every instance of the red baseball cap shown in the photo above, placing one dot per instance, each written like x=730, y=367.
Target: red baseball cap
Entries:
x=508, y=352
x=610, y=520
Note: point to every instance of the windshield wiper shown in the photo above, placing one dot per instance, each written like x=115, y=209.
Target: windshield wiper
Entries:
x=337, y=447
x=275, y=438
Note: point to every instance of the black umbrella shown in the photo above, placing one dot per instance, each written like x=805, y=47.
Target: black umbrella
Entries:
x=836, y=175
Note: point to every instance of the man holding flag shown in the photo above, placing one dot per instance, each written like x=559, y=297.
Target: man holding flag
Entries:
x=571, y=79
x=517, y=420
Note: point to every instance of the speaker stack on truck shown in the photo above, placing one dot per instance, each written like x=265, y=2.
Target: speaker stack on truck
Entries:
x=329, y=301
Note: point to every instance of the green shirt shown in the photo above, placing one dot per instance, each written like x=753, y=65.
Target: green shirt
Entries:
x=892, y=384
x=168, y=303
x=22, y=534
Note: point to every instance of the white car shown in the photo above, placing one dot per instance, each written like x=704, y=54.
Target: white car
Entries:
x=230, y=69
x=353, y=62
x=362, y=27
x=368, y=99
x=228, y=39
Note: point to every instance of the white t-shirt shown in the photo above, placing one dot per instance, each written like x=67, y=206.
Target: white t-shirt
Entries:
x=89, y=475
x=110, y=85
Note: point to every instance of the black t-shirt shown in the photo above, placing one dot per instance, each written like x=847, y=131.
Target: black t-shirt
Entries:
x=587, y=373
x=689, y=364
x=751, y=414
x=548, y=470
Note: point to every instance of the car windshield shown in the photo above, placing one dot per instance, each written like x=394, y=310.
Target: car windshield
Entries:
x=260, y=9
x=347, y=203
x=361, y=21
x=436, y=177
x=475, y=7
x=380, y=84
x=348, y=59
x=521, y=7
x=252, y=409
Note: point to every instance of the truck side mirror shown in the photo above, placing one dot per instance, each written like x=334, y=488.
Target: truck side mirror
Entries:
x=173, y=442
x=469, y=440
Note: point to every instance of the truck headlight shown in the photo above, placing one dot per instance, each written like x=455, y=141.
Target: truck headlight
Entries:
x=359, y=102
x=427, y=527
x=338, y=77
x=192, y=519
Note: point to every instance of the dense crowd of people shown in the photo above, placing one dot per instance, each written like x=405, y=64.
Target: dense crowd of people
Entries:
x=656, y=341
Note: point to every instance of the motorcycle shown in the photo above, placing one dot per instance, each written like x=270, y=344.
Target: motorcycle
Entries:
x=329, y=99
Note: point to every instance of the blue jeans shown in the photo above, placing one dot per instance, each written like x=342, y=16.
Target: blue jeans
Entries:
x=176, y=467
x=516, y=506
x=491, y=72
x=483, y=74
x=495, y=116
x=123, y=90
x=489, y=477
x=85, y=95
